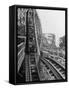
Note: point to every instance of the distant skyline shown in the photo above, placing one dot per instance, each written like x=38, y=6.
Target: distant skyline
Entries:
x=52, y=21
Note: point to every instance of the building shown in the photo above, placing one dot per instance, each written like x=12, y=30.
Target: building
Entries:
x=62, y=42
x=48, y=40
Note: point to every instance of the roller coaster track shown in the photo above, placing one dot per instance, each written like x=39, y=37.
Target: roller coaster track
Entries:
x=57, y=62
x=28, y=48
x=31, y=69
x=57, y=71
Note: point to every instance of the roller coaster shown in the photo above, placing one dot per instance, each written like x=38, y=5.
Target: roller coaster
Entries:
x=30, y=56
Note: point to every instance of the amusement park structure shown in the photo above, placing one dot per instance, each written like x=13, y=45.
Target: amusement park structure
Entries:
x=36, y=63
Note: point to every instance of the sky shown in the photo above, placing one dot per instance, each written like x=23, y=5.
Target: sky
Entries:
x=52, y=21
